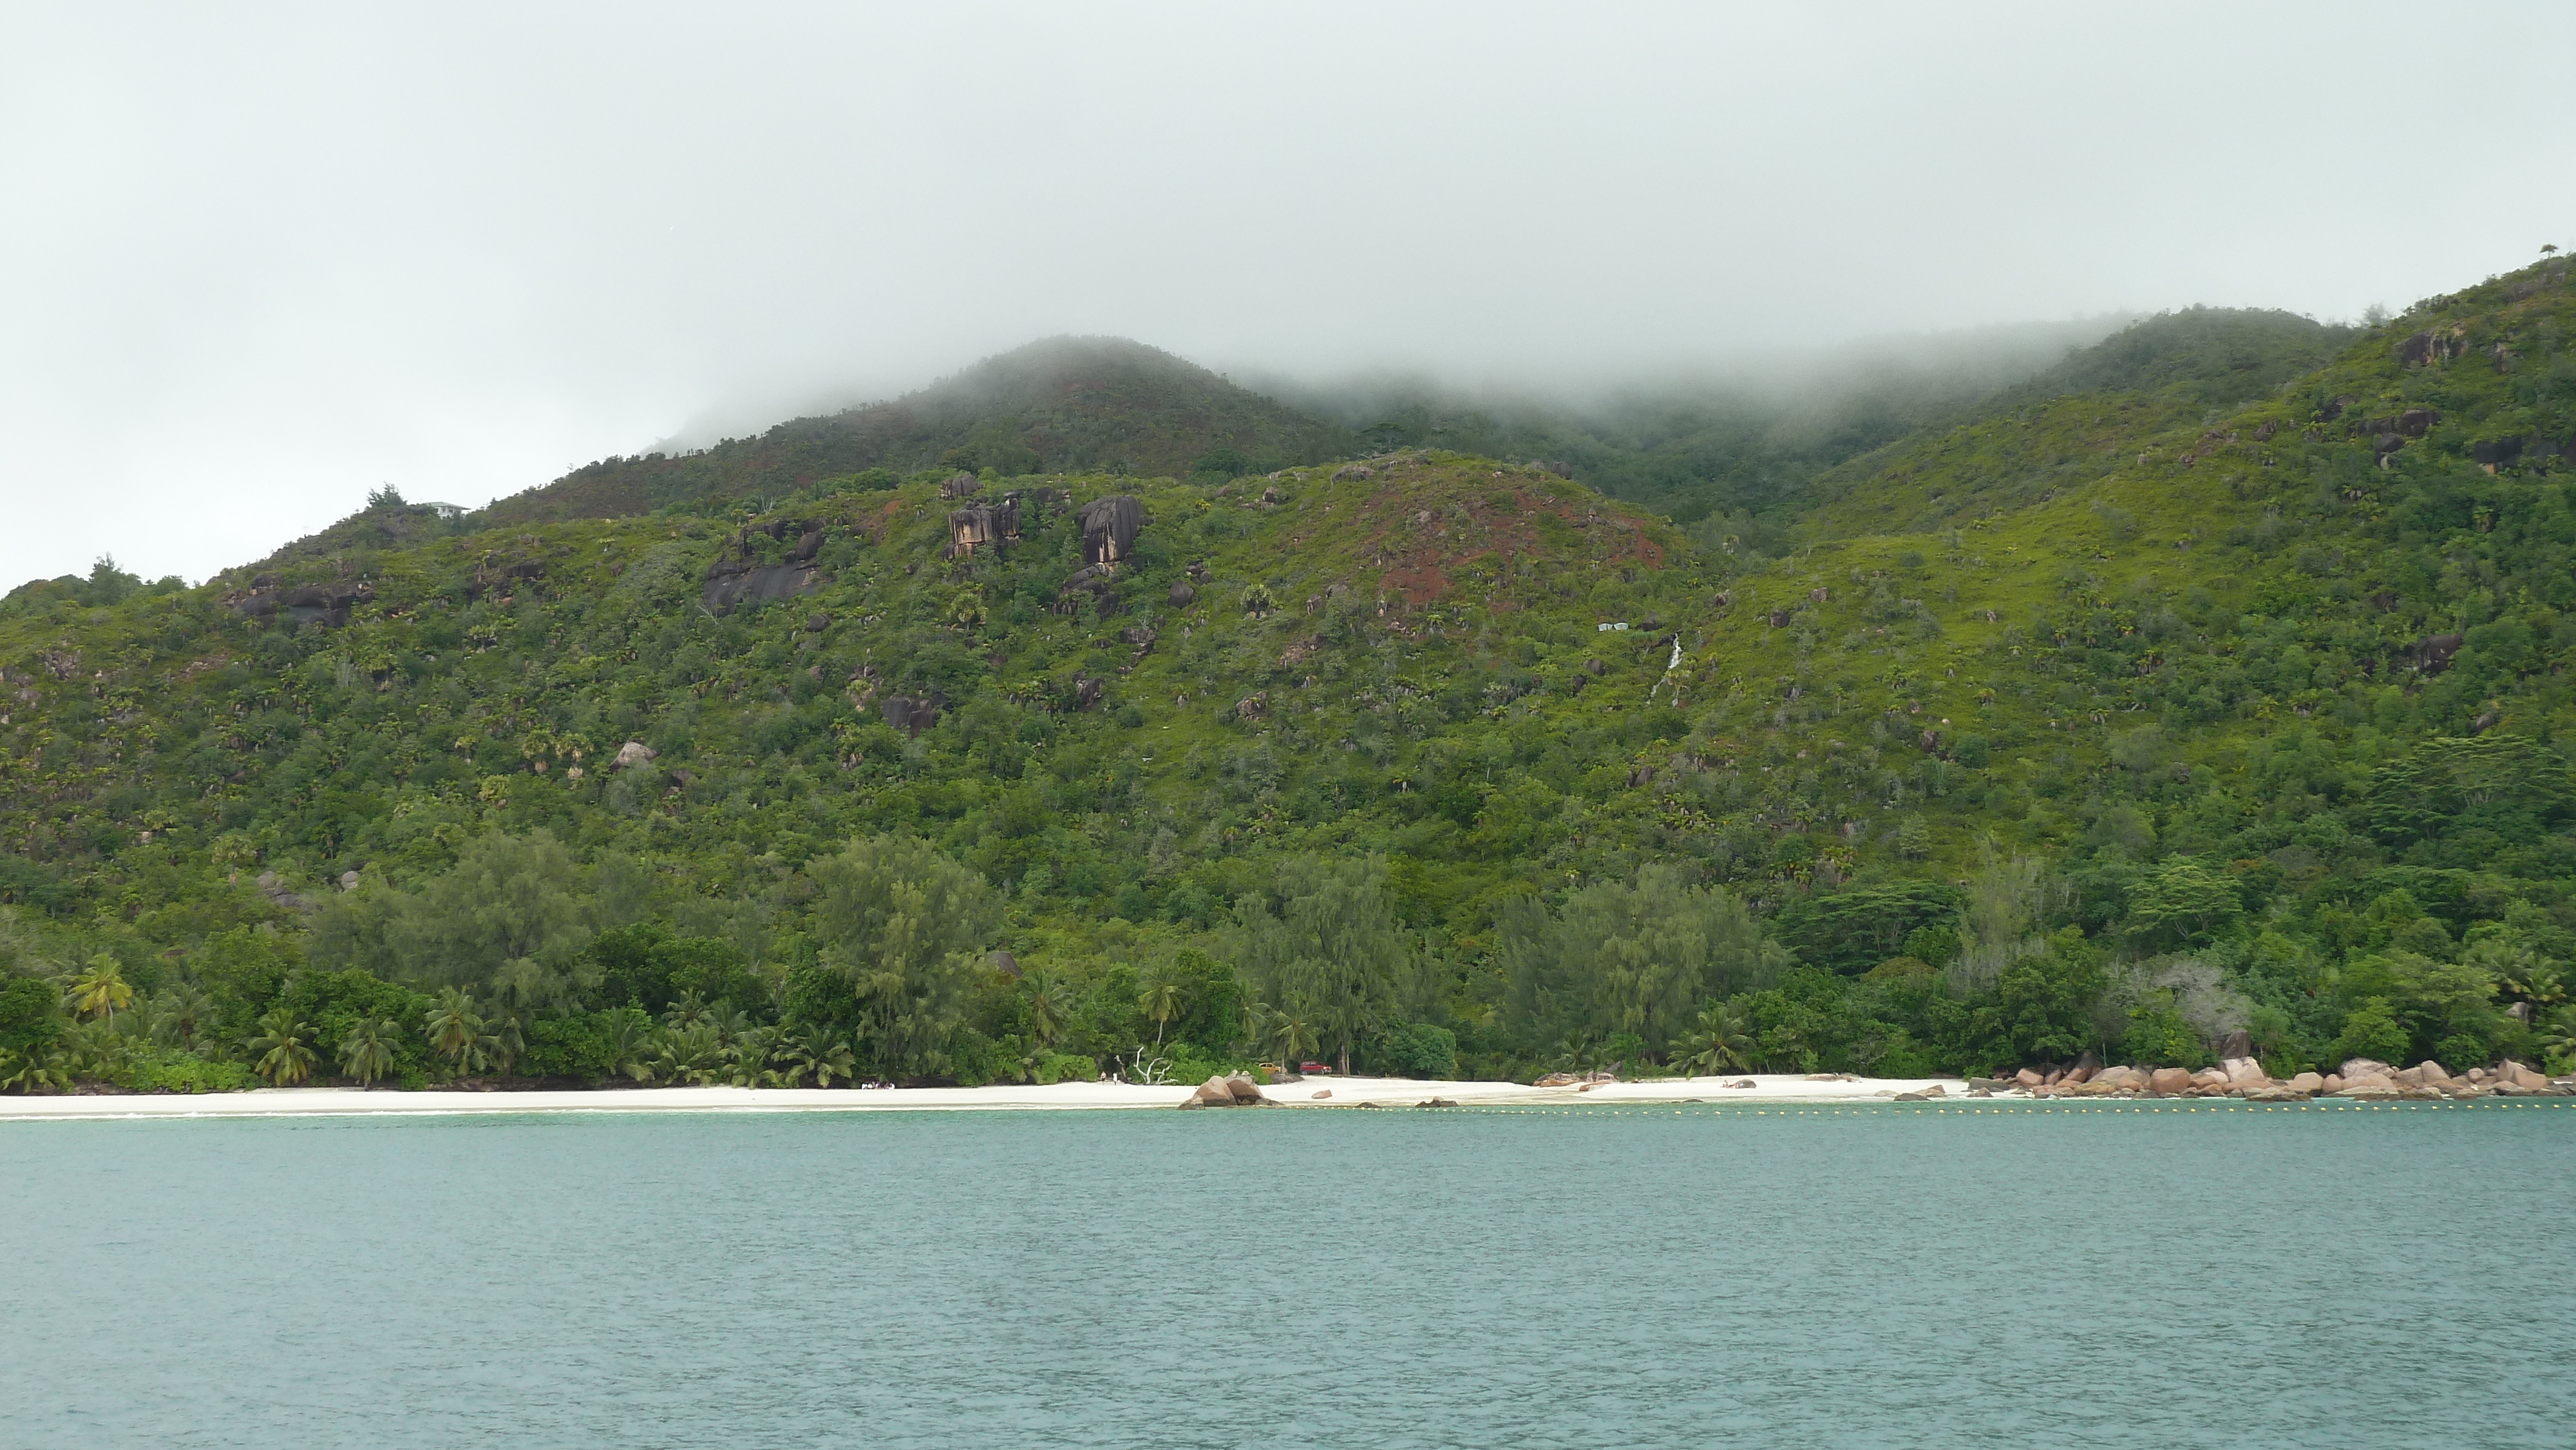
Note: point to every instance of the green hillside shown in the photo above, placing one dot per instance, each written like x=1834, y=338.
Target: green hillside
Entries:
x=1068, y=404
x=1730, y=445
x=2201, y=699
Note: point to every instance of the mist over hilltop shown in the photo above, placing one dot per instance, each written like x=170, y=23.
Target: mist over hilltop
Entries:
x=523, y=241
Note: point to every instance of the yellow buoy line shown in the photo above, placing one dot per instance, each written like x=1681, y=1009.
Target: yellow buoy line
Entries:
x=1962, y=1110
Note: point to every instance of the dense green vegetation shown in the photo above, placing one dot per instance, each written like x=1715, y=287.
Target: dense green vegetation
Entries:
x=1066, y=405
x=2189, y=689
x=1756, y=453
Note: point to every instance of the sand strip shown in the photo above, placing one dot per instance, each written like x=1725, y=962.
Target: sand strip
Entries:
x=1344, y=1093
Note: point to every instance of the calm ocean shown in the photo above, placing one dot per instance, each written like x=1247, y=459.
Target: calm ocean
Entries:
x=2147, y=1275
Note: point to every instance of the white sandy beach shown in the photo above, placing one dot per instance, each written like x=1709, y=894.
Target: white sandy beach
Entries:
x=1348, y=1092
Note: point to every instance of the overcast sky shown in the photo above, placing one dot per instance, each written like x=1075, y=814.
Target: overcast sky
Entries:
x=256, y=260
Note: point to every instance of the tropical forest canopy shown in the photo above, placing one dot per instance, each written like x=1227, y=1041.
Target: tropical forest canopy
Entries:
x=1086, y=713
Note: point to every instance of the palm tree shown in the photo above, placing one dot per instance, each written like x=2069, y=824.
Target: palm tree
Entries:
x=177, y=1014
x=747, y=1058
x=1161, y=1000
x=456, y=1029
x=33, y=1069
x=1295, y=1033
x=732, y=1023
x=2558, y=1039
x=1046, y=1008
x=816, y=1052
x=630, y=1045
x=101, y=988
x=692, y=1055
x=1723, y=1042
x=283, y=1058
x=505, y=1037
x=1021, y=1057
x=685, y=1011
x=2535, y=979
x=95, y=1050
x=367, y=1053
x=1578, y=1052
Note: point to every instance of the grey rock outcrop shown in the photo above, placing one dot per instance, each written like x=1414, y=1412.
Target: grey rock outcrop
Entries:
x=1109, y=527
x=2432, y=654
x=275, y=890
x=729, y=584
x=325, y=604
x=969, y=527
x=914, y=713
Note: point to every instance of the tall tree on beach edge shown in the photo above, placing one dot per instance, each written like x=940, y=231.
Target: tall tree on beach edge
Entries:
x=1322, y=946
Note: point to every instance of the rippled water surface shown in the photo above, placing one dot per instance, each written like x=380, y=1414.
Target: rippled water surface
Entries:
x=1882, y=1275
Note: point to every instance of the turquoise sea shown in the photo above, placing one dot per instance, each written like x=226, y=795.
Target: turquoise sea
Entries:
x=1885, y=1275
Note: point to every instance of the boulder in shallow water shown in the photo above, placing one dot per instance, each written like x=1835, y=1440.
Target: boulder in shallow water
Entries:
x=2307, y=1082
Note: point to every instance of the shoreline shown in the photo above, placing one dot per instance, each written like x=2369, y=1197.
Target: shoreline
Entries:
x=1350, y=1092
x=1353, y=1092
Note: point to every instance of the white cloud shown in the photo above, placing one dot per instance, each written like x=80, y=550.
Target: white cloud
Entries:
x=260, y=259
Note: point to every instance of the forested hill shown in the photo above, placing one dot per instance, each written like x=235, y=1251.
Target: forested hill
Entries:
x=1739, y=443
x=1064, y=405
x=2112, y=720
x=2166, y=371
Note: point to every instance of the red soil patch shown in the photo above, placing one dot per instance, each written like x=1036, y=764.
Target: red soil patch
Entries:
x=1418, y=583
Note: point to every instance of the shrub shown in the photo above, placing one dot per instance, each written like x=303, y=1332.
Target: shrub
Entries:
x=1414, y=1049
x=1065, y=1067
x=2372, y=1031
x=30, y=1014
x=2459, y=1052
x=186, y=1073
